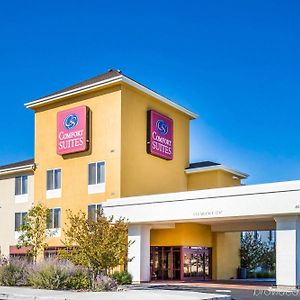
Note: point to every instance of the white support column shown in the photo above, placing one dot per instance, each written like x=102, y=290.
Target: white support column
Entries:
x=139, y=252
x=288, y=251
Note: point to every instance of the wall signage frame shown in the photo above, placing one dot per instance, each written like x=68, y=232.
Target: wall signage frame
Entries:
x=159, y=135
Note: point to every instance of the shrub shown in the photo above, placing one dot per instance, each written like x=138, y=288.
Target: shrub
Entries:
x=104, y=283
x=14, y=272
x=55, y=274
x=48, y=275
x=80, y=279
x=122, y=277
x=265, y=274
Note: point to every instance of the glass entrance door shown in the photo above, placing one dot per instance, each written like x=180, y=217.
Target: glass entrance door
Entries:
x=197, y=263
x=165, y=263
x=181, y=263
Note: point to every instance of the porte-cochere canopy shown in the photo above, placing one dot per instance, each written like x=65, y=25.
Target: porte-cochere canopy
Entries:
x=253, y=207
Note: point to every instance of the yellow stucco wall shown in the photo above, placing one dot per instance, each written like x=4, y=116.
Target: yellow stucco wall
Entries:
x=225, y=245
x=184, y=234
x=118, y=128
x=210, y=179
x=142, y=173
x=225, y=256
x=105, y=106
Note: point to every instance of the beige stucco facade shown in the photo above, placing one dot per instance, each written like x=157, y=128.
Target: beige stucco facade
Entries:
x=9, y=205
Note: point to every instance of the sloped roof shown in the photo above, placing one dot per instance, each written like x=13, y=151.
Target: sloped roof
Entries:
x=107, y=75
x=202, y=164
x=102, y=80
x=18, y=164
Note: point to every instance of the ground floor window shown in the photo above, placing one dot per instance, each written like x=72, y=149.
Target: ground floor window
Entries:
x=180, y=263
x=19, y=220
x=93, y=209
x=52, y=252
x=54, y=218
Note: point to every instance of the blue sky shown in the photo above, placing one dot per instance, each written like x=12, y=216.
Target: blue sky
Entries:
x=235, y=63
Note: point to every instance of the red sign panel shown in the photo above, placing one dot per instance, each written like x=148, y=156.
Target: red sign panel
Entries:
x=72, y=130
x=160, y=135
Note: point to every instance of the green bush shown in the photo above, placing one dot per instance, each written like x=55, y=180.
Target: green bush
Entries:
x=79, y=280
x=122, y=277
x=14, y=273
x=265, y=274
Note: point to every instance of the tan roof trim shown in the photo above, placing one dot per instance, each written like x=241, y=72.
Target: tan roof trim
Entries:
x=217, y=168
x=73, y=92
x=17, y=169
x=103, y=83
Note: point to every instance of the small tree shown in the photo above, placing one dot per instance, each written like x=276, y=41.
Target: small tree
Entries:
x=251, y=252
x=34, y=231
x=99, y=245
x=268, y=259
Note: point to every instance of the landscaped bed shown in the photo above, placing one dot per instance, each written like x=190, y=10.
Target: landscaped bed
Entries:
x=56, y=274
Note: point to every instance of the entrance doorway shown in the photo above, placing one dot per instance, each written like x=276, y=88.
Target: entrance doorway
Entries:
x=180, y=263
x=197, y=263
x=165, y=263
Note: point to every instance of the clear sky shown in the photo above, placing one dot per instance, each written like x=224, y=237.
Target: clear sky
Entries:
x=235, y=63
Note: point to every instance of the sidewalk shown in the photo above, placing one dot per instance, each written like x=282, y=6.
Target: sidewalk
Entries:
x=24, y=293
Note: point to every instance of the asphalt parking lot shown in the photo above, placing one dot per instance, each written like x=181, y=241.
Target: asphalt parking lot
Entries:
x=159, y=291
x=236, y=291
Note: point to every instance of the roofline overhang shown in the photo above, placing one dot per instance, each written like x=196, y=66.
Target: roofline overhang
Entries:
x=217, y=168
x=18, y=169
x=103, y=83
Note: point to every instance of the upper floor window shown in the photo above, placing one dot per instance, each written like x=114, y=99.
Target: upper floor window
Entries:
x=96, y=177
x=54, y=218
x=92, y=211
x=19, y=220
x=53, y=179
x=53, y=183
x=21, y=185
x=97, y=172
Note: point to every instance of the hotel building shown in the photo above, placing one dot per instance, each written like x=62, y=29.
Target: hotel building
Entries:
x=111, y=142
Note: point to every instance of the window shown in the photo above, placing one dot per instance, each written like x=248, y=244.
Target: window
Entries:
x=96, y=173
x=51, y=252
x=21, y=185
x=53, y=183
x=53, y=179
x=19, y=220
x=54, y=218
x=96, y=177
x=92, y=211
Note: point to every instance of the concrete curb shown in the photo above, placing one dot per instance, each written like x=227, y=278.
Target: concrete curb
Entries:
x=4, y=296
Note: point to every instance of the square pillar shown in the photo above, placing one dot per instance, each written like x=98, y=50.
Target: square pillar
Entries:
x=288, y=251
x=139, y=253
